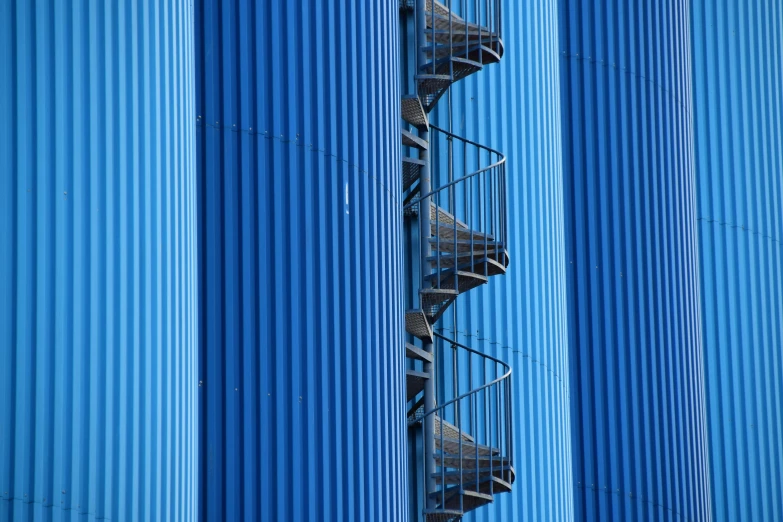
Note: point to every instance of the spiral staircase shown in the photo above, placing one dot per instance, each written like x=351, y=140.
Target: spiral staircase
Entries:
x=455, y=204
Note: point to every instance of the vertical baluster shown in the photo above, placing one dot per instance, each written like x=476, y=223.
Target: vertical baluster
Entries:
x=475, y=441
x=437, y=237
x=501, y=447
x=461, y=456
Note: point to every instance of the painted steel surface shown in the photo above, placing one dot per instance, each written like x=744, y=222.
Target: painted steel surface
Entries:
x=98, y=293
x=637, y=379
x=302, y=388
x=514, y=107
x=738, y=76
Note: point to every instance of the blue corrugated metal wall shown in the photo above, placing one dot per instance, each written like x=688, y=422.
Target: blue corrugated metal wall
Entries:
x=302, y=390
x=638, y=417
x=97, y=261
x=514, y=107
x=738, y=77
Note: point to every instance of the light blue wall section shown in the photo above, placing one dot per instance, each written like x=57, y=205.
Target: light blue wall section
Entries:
x=637, y=375
x=302, y=395
x=514, y=107
x=738, y=78
x=97, y=261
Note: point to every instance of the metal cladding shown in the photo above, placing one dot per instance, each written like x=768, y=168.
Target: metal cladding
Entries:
x=98, y=293
x=514, y=107
x=738, y=78
x=638, y=411
x=301, y=369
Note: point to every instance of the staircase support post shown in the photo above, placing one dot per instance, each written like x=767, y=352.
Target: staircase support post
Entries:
x=429, y=368
x=424, y=248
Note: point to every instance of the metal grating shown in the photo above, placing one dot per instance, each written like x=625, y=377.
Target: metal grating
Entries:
x=411, y=170
x=410, y=140
x=413, y=112
x=417, y=325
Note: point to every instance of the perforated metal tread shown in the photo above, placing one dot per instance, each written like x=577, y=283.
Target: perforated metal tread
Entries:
x=476, y=263
x=452, y=445
x=462, y=282
x=411, y=170
x=451, y=431
x=448, y=232
x=451, y=27
x=410, y=140
x=479, y=53
x=413, y=112
x=417, y=325
x=468, y=462
x=414, y=352
x=462, y=246
x=504, y=473
x=442, y=515
x=435, y=296
x=470, y=499
x=435, y=78
x=414, y=383
x=434, y=302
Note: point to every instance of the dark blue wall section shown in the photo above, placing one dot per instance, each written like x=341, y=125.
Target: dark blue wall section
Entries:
x=637, y=380
x=738, y=78
x=301, y=369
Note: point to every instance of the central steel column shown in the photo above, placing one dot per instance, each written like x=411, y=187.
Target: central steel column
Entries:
x=424, y=249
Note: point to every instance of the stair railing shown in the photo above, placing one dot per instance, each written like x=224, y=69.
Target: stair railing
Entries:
x=471, y=211
x=483, y=413
x=466, y=22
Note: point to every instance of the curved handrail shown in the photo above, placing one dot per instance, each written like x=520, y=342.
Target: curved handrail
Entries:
x=478, y=459
x=475, y=390
x=457, y=181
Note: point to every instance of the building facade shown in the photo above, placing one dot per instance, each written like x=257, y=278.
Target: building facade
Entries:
x=638, y=413
x=736, y=55
x=98, y=301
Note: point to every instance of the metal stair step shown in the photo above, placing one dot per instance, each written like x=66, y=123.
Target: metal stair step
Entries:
x=470, y=499
x=440, y=216
x=414, y=382
x=480, y=53
x=414, y=352
x=446, y=232
x=432, y=86
x=461, y=245
x=417, y=325
x=413, y=112
x=462, y=281
x=411, y=170
x=477, y=263
x=503, y=473
x=435, y=301
x=452, y=445
x=411, y=140
x=442, y=515
x=451, y=431
x=450, y=460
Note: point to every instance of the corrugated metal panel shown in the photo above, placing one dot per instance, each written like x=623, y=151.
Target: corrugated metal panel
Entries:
x=514, y=107
x=638, y=418
x=738, y=78
x=302, y=399
x=97, y=262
